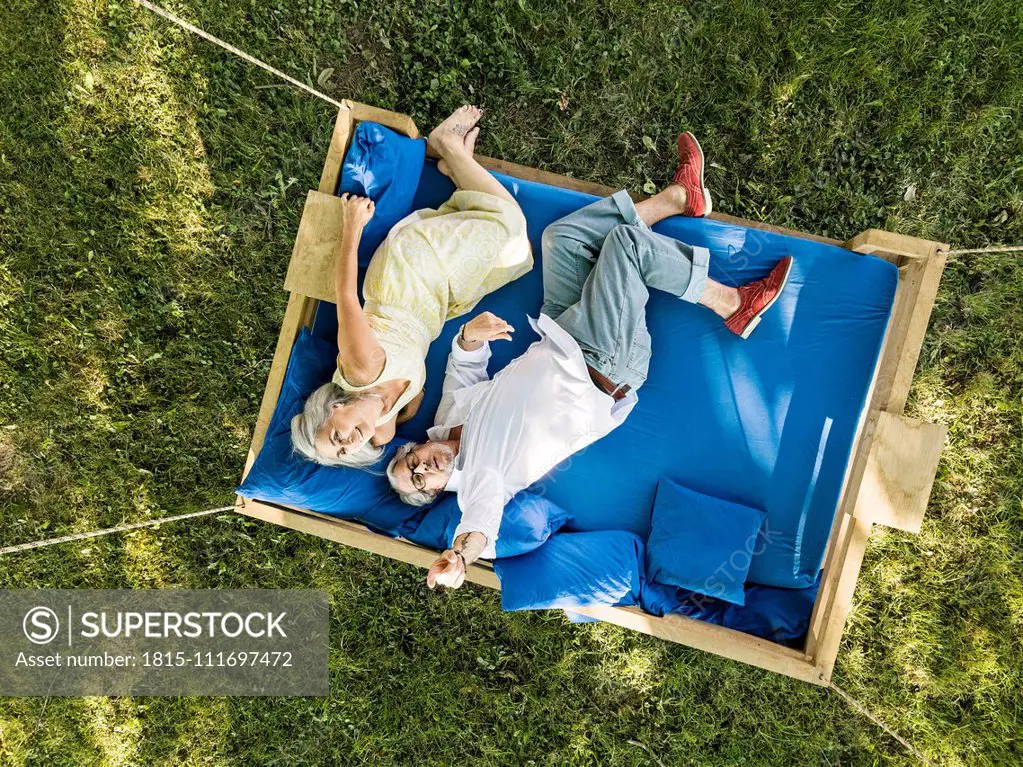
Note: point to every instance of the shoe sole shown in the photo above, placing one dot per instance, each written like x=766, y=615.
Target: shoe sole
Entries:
x=748, y=330
x=708, y=205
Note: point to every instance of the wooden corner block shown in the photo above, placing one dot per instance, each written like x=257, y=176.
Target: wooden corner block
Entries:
x=341, y=137
x=311, y=271
x=900, y=471
x=890, y=246
x=394, y=120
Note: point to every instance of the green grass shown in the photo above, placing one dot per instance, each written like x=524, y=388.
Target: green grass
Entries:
x=149, y=195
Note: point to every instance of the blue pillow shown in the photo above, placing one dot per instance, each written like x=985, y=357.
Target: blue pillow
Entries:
x=701, y=543
x=574, y=570
x=528, y=521
x=384, y=166
x=279, y=475
x=779, y=614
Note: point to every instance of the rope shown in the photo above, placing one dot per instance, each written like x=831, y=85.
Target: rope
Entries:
x=991, y=249
x=109, y=530
x=238, y=52
x=863, y=710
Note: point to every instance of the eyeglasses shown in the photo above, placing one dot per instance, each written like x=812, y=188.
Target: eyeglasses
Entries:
x=412, y=463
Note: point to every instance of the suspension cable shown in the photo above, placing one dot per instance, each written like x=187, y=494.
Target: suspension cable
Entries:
x=238, y=52
x=110, y=530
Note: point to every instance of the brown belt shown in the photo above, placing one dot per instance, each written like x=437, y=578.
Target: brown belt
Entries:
x=604, y=383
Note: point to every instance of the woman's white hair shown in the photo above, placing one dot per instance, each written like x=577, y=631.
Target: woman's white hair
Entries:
x=306, y=425
x=416, y=497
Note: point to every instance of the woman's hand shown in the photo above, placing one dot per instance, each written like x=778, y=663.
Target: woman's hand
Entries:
x=448, y=571
x=484, y=327
x=357, y=211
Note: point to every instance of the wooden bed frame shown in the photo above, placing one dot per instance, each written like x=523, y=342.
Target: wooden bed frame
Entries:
x=888, y=481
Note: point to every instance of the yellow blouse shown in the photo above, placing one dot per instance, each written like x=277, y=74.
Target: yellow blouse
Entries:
x=436, y=265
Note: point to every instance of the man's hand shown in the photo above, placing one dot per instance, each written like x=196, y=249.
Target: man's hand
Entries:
x=446, y=571
x=486, y=326
x=357, y=211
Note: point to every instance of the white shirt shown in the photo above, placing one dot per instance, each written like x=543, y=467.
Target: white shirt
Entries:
x=534, y=414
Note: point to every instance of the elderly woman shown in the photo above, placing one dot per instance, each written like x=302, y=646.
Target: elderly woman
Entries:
x=433, y=266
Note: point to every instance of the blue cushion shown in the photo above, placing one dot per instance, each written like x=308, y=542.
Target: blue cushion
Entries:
x=528, y=521
x=384, y=166
x=574, y=570
x=781, y=615
x=702, y=543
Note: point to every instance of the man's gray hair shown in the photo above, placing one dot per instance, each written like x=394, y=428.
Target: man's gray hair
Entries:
x=416, y=497
x=306, y=425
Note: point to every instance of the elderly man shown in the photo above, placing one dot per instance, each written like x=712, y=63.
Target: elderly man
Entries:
x=493, y=438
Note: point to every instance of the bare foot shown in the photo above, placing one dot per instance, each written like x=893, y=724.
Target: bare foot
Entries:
x=450, y=135
x=469, y=142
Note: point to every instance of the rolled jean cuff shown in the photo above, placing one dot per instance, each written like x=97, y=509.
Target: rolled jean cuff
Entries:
x=698, y=278
x=628, y=208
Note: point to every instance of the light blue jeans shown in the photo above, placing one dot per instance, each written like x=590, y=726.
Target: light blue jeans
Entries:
x=598, y=266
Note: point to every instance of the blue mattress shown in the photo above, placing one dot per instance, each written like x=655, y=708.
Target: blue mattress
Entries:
x=768, y=422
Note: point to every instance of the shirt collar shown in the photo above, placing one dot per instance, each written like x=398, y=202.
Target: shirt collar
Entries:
x=454, y=480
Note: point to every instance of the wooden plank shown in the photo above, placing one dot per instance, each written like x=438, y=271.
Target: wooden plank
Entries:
x=295, y=318
x=600, y=190
x=926, y=276
x=355, y=535
x=914, y=300
x=312, y=267
x=301, y=309
x=698, y=634
x=838, y=541
x=711, y=638
x=901, y=466
x=921, y=263
x=890, y=244
x=330, y=176
x=826, y=638
x=399, y=122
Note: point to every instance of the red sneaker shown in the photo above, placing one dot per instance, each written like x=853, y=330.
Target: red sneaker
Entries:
x=757, y=297
x=689, y=175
